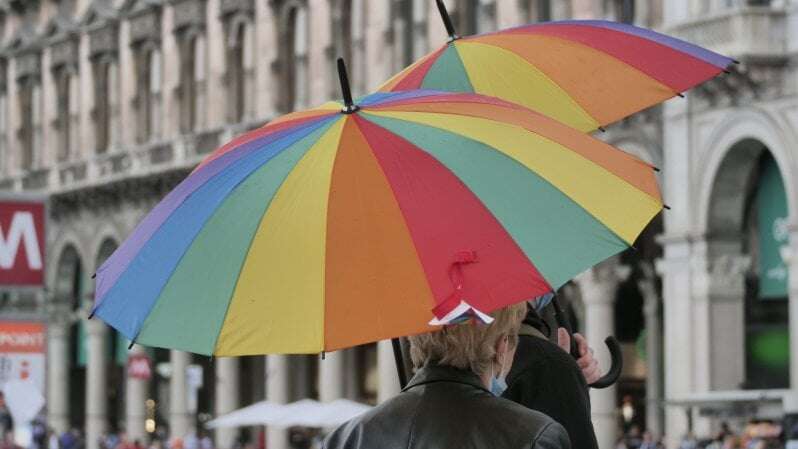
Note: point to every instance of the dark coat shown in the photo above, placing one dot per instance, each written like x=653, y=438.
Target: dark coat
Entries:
x=546, y=378
x=444, y=407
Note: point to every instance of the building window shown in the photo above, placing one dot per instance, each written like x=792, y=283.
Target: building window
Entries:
x=63, y=125
x=148, y=93
x=187, y=92
x=28, y=113
x=294, y=56
x=348, y=30
x=535, y=10
x=485, y=16
x=101, y=114
x=3, y=131
x=236, y=74
x=624, y=10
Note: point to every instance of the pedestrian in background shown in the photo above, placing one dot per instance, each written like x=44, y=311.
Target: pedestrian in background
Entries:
x=544, y=376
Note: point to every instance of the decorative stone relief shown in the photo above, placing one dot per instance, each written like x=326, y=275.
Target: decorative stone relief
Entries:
x=103, y=41
x=64, y=54
x=229, y=7
x=145, y=27
x=28, y=65
x=189, y=14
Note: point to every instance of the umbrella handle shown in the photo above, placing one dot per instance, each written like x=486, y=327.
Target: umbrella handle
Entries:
x=616, y=355
x=400, y=364
x=616, y=366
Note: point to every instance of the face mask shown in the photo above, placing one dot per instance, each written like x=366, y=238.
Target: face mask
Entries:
x=542, y=301
x=498, y=384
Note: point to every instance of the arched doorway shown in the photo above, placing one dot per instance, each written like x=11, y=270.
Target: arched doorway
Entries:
x=747, y=289
x=69, y=295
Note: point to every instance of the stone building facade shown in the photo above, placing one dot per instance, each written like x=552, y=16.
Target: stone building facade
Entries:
x=105, y=105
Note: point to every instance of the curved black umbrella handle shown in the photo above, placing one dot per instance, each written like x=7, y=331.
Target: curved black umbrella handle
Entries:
x=616, y=365
x=616, y=355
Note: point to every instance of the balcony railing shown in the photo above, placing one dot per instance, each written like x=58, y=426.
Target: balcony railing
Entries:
x=758, y=32
x=118, y=163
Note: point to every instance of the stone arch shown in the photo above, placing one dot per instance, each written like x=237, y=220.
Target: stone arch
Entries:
x=725, y=256
x=69, y=273
x=738, y=134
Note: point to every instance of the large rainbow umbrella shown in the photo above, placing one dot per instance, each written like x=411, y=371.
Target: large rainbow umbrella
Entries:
x=331, y=228
x=584, y=73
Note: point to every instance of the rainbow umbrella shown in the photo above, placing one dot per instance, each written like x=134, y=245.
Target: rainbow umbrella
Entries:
x=584, y=73
x=335, y=227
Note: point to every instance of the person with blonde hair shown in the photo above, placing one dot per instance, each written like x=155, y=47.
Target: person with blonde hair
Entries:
x=453, y=400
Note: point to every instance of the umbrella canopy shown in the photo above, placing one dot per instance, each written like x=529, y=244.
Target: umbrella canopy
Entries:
x=584, y=73
x=303, y=413
x=327, y=229
x=258, y=414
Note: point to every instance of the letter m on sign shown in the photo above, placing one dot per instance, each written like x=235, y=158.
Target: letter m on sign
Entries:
x=22, y=242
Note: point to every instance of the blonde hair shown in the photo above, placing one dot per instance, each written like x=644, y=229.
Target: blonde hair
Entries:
x=468, y=346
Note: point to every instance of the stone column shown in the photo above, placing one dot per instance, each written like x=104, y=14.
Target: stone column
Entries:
x=598, y=287
x=278, y=388
x=136, y=402
x=331, y=376
x=718, y=319
x=179, y=418
x=674, y=268
x=677, y=333
x=96, y=383
x=58, y=372
x=388, y=383
x=227, y=398
x=647, y=286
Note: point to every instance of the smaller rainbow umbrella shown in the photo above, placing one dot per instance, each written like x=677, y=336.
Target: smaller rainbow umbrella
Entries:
x=348, y=224
x=584, y=73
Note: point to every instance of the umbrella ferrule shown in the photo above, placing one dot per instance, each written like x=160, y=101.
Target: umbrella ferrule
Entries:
x=350, y=109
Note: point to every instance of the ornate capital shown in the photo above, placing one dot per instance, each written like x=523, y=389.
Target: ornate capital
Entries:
x=230, y=7
x=103, y=41
x=145, y=27
x=189, y=15
x=64, y=53
x=598, y=284
x=28, y=66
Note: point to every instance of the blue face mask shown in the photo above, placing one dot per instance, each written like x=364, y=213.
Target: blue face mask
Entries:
x=542, y=301
x=498, y=386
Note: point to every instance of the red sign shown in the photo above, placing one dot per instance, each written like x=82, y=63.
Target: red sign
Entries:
x=22, y=242
x=138, y=367
x=22, y=349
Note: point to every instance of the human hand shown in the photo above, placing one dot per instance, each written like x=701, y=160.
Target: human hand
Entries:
x=586, y=362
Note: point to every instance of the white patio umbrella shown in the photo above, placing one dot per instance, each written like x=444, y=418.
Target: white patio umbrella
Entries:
x=303, y=413
x=252, y=415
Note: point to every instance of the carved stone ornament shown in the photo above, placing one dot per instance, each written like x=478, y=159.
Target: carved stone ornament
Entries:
x=103, y=41
x=64, y=54
x=228, y=7
x=145, y=27
x=28, y=65
x=189, y=14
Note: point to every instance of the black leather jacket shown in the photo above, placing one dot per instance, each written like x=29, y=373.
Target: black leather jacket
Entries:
x=444, y=407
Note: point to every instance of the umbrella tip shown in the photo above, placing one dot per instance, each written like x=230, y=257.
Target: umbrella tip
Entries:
x=130, y=346
x=681, y=95
x=94, y=276
x=666, y=207
x=349, y=106
x=656, y=169
x=447, y=21
x=734, y=61
x=602, y=129
x=91, y=315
